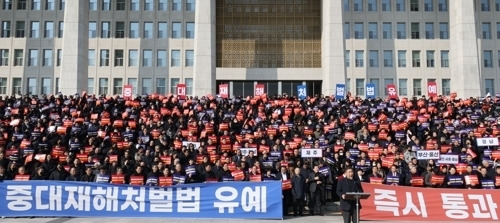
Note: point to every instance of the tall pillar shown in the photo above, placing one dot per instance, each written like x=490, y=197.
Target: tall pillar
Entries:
x=332, y=46
x=464, y=61
x=204, y=48
x=74, y=62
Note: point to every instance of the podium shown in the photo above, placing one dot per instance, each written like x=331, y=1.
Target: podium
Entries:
x=356, y=196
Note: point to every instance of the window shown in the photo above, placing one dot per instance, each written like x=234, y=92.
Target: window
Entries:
x=61, y=30
x=49, y=30
x=176, y=5
x=487, y=58
x=133, y=58
x=445, y=83
x=92, y=30
x=486, y=30
x=47, y=58
x=373, y=54
x=148, y=5
x=347, y=56
x=146, y=86
x=175, y=58
x=46, y=86
x=18, y=57
x=162, y=5
x=429, y=30
x=176, y=30
x=21, y=4
x=415, y=58
x=415, y=30
x=498, y=58
x=485, y=5
x=161, y=85
x=120, y=5
x=133, y=82
x=118, y=58
x=387, y=81
x=33, y=55
x=190, y=30
x=31, y=85
x=443, y=30
x=347, y=31
x=430, y=58
x=498, y=30
x=50, y=5
x=360, y=87
x=117, y=85
x=134, y=5
x=358, y=5
x=358, y=30
x=190, y=5
x=359, y=58
x=387, y=30
x=147, y=58
x=444, y=58
x=5, y=29
x=4, y=54
x=59, y=57
x=120, y=30
x=497, y=5
x=414, y=5
x=90, y=86
x=429, y=5
x=91, y=58
x=16, y=85
x=134, y=30
x=386, y=5
x=443, y=5
x=106, y=5
x=104, y=60
x=148, y=30
x=189, y=58
x=35, y=27
x=162, y=30
x=375, y=81
x=400, y=5
x=348, y=85
x=7, y=5
x=346, y=5
x=417, y=87
x=489, y=86
x=105, y=30
x=161, y=58
x=189, y=86
x=372, y=30
x=103, y=86
x=3, y=85
x=93, y=5
x=388, y=58
x=401, y=30
x=401, y=58
x=20, y=29
x=403, y=87
x=372, y=5
x=35, y=5
x=173, y=85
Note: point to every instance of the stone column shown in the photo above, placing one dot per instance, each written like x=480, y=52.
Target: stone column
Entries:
x=332, y=46
x=74, y=62
x=464, y=53
x=204, y=48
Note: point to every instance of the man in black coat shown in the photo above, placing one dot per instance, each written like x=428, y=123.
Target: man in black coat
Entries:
x=348, y=207
x=317, y=189
x=287, y=195
x=298, y=192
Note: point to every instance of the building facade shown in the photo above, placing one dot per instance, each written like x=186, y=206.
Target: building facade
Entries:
x=49, y=46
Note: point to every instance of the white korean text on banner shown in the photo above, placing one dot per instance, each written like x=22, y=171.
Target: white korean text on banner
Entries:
x=302, y=92
x=392, y=92
x=181, y=91
x=127, y=92
x=370, y=90
x=432, y=90
x=259, y=89
x=493, y=141
x=311, y=153
x=205, y=200
x=246, y=151
x=428, y=154
x=340, y=91
x=224, y=90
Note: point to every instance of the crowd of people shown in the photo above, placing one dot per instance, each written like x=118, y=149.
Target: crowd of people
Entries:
x=161, y=140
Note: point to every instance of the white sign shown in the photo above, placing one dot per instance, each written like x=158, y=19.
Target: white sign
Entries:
x=428, y=154
x=448, y=159
x=246, y=151
x=186, y=143
x=311, y=153
x=487, y=141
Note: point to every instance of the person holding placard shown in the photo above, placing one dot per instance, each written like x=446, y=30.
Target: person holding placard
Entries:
x=453, y=179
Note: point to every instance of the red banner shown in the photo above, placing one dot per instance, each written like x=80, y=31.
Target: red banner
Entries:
x=432, y=89
x=259, y=89
x=392, y=92
x=127, y=92
x=429, y=204
x=181, y=91
x=224, y=90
